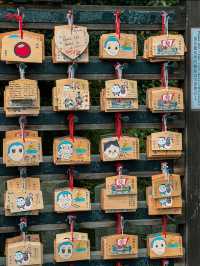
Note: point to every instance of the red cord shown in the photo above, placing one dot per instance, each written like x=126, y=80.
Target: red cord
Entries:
x=164, y=225
x=71, y=126
x=71, y=179
x=118, y=125
x=117, y=22
x=18, y=18
x=118, y=226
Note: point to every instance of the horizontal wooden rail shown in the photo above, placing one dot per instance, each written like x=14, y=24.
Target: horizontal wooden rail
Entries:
x=97, y=17
x=94, y=119
x=96, y=69
x=95, y=170
x=97, y=258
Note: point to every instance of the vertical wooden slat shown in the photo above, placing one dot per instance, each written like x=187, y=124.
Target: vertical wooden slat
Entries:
x=193, y=151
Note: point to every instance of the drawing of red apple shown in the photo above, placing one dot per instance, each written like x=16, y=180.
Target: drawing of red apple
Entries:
x=22, y=49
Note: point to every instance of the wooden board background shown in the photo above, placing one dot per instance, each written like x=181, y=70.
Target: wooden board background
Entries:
x=40, y=15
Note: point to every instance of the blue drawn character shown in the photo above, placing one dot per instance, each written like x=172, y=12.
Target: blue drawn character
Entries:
x=24, y=203
x=165, y=189
x=112, y=45
x=158, y=245
x=22, y=258
x=64, y=199
x=165, y=143
x=112, y=149
x=16, y=151
x=65, y=150
x=65, y=249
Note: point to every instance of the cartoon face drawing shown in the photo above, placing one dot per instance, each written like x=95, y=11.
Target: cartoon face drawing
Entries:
x=166, y=202
x=65, y=150
x=24, y=203
x=112, y=46
x=64, y=199
x=119, y=90
x=16, y=151
x=69, y=103
x=65, y=249
x=165, y=189
x=22, y=258
x=112, y=149
x=164, y=143
x=158, y=245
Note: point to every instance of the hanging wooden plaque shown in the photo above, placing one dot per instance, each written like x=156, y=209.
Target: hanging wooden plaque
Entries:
x=153, y=207
x=66, y=249
x=24, y=253
x=121, y=185
x=114, y=149
x=166, y=186
x=162, y=99
x=67, y=151
x=30, y=49
x=120, y=246
x=71, y=95
x=125, y=203
x=113, y=47
x=69, y=200
x=160, y=246
x=70, y=43
x=19, y=152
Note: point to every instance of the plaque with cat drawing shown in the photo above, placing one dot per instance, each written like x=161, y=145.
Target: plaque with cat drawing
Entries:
x=114, y=149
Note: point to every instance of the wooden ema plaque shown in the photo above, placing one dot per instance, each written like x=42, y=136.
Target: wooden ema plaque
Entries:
x=121, y=185
x=30, y=49
x=165, y=144
x=22, y=97
x=167, y=206
x=119, y=95
x=114, y=149
x=20, y=252
x=69, y=200
x=164, y=47
x=125, y=203
x=23, y=195
x=70, y=44
x=67, y=250
x=19, y=152
x=163, y=186
x=121, y=246
x=67, y=151
x=162, y=99
x=160, y=247
x=113, y=47
x=71, y=95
